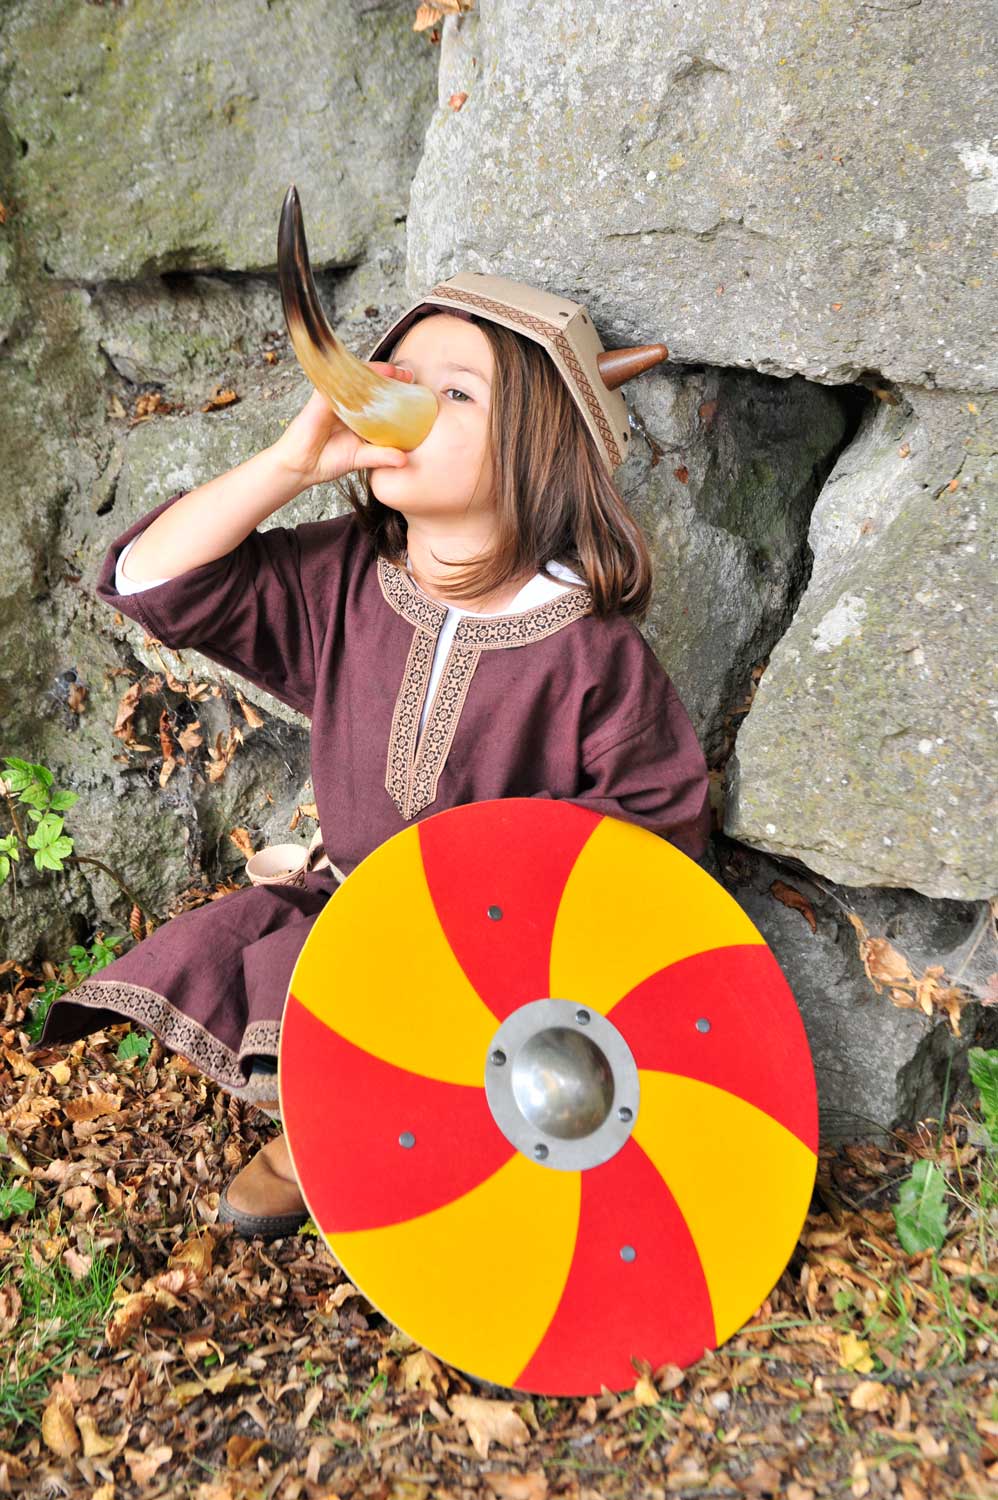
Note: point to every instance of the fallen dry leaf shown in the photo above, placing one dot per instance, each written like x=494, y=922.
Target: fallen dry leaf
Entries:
x=151, y=404
x=420, y=1371
x=59, y=1429
x=884, y=964
x=160, y=1290
x=189, y=1390
x=221, y=754
x=854, y=1353
x=94, y=1445
x=490, y=1422
x=870, y=1395
x=12, y=1466
x=220, y=397
x=143, y=1463
x=930, y=1446
x=429, y=15
x=250, y=714
x=765, y=1479
x=190, y=737
x=197, y=1253
x=533, y=1486
x=243, y=841
x=794, y=898
x=79, y=1266
x=10, y=1308
x=91, y=1106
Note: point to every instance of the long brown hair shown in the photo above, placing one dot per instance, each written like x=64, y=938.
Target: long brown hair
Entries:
x=555, y=501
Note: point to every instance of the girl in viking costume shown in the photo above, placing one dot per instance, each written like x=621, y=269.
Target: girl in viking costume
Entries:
x=466, y=632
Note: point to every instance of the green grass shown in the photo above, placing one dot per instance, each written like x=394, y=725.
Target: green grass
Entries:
x=59, y=1318
x=379, y=1382
x=892, y=1326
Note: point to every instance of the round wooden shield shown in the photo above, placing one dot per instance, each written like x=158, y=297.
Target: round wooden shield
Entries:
x=548, y=1096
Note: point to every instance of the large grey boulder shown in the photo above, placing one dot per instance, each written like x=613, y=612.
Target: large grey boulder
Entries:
x=869, y=749
x=722, y=474
x=153, y=139
x=797, y=190
x=876, y=1064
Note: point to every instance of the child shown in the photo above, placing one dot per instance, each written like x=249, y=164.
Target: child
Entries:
x=463, y=634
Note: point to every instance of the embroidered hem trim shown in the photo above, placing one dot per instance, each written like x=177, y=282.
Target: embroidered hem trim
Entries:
x=180, y=1033
x=414, y=763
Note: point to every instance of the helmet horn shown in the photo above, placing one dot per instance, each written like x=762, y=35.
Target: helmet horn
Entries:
x=618, y=365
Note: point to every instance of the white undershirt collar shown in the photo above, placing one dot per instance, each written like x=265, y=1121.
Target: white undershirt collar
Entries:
x=537, y=590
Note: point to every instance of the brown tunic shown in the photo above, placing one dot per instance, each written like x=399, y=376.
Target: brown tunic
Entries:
x=549, y=702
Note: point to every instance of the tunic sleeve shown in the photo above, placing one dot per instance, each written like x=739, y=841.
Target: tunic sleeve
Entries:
x=260, y=610
x=125, y=585
x=641, y=758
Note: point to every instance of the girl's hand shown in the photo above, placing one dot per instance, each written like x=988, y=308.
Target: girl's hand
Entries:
x=318, y=447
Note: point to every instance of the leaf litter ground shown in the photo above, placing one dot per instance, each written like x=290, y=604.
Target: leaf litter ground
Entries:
x=210, y=1366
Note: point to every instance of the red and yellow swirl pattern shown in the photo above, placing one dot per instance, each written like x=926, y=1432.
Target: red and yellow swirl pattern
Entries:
x=508, y=1269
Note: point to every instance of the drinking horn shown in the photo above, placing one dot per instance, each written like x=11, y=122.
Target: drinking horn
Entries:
x=388, y=413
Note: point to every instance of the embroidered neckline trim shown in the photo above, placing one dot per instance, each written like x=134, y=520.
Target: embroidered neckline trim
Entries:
x=488, y=632
x=416, y=760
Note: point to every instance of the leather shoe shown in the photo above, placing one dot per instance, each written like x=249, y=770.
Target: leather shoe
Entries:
x=267, y=1226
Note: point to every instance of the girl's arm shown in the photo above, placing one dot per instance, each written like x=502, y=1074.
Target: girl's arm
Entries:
x=264, y=610
x=212, y=519
x=261, y=603
x=656, y=776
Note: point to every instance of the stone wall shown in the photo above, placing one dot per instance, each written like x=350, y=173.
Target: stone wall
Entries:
x=800, y=203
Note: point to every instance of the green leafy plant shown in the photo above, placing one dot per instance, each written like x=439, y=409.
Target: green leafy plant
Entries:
x=8, y=851
x=102, y=950
x=32, y=786
x=380, y=1382
x=82, y=962
x=920, y=1212
x=984, y=1072
x=135, y=1044
x=14, y=1200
